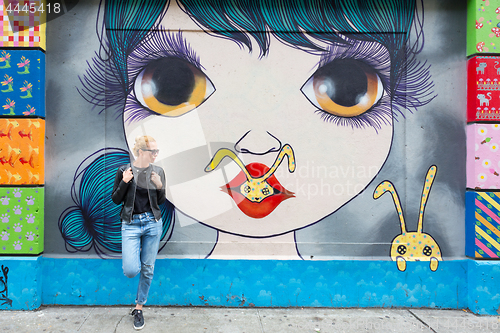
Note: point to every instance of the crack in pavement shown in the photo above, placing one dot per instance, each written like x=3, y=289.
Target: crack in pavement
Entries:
x=420, y=320
x=84, y=320
x=118, y=323
x=260, y=322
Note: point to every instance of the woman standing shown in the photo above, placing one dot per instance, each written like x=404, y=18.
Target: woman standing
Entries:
x=140, y=188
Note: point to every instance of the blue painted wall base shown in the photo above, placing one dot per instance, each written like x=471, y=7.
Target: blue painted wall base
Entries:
x=20, y=283
x=261, y=283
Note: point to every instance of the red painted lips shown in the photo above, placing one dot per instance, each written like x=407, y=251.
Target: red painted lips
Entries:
x=261, y=209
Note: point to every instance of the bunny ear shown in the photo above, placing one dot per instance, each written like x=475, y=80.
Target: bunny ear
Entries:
x=429, y=179
x=387, y=186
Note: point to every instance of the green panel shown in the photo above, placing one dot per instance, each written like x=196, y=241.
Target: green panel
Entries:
x=482, y=25
x=21, y=220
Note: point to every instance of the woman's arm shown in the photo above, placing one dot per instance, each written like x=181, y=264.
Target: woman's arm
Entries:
x=161, y=191
x=120, y=188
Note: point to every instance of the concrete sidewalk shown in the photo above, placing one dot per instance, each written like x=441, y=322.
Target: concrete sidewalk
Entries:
x=248, y=320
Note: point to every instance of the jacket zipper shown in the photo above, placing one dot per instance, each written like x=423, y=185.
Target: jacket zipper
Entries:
x=135, y=188
x=149, y=197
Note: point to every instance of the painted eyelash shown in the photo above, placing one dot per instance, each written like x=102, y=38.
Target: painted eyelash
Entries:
x=102, y=86
x=378, y=115
x=135, y=111
x=160, y=44
x=411, y=93
x=157, y=44
x=376, y=57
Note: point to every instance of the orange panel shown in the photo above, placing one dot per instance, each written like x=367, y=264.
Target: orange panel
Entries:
x=22, y=151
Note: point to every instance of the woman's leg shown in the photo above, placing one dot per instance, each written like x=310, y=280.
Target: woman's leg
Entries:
x=150, y=243
x=131, y=248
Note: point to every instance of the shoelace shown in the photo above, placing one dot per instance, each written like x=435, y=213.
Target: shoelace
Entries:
x=137, y=314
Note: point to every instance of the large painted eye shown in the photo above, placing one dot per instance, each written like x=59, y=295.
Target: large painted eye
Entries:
x=344, y=88
x=172, y=87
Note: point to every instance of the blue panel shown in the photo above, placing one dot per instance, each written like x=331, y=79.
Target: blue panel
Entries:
x=22, y=82
x=23, y=287
x=470, y=222
x=483, y=290
x=456, y=284
x=261, y=283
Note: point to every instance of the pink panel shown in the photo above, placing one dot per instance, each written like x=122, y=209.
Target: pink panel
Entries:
x=483, y=156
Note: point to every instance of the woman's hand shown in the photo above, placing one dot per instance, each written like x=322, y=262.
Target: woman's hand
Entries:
x=127, y=175
x=155, y=178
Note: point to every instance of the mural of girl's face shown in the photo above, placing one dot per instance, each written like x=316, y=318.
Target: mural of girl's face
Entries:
x=258, y=146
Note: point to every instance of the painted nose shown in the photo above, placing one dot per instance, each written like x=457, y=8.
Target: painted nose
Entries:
x=257, y=143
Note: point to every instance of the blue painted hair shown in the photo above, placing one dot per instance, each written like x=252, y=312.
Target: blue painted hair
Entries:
x=94, y=221
x=299, y=24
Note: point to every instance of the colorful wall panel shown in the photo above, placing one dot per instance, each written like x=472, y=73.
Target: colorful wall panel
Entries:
x=483, y=158
x=21, y=220
x=22, y=79
x=20, y=283
x=260, y=283
x=483, y=28
x=483, y=224
x=22, y=151
x=23, y=23
x=483, y=88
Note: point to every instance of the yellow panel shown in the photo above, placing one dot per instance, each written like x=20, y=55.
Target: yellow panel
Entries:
x=23, y=28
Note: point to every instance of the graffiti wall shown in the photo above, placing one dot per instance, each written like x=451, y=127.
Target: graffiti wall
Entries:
x=279, y=128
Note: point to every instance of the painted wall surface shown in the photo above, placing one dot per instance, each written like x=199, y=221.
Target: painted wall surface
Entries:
x=22, y=151
x=20, y=283
x=482, y=26
x=483, y=223
x=264, y=117
x=483, y=88
x=277, y=145
x=23, y=82
x=26, y=283
x=264, y=283
x=23, y=23
x=21, y=215
x=483, y=160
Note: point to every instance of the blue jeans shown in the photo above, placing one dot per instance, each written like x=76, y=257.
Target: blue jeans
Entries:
x=140, y=242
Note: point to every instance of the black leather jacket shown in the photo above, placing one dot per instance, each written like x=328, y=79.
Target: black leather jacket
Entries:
x=124, y=193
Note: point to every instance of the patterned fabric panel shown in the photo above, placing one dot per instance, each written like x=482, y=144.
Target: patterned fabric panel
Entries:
x=23, y=23
x=483, y=158
x=483, y=28
x=22, y=151
x=483, y=89
x=22, y=83
x=21, y=220
x=483, y=221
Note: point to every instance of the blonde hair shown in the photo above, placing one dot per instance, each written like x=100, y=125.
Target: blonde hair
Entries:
x=142, y=142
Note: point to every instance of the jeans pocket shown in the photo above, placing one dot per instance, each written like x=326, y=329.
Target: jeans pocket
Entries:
x=159, y=227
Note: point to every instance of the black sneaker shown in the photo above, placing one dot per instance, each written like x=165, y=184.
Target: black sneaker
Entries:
x=138, y=319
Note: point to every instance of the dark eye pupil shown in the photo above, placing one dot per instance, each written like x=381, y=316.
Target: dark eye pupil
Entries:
x=345, y=81
x=401, y=249
x=172, y=79
x=427, y=250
